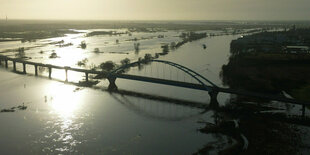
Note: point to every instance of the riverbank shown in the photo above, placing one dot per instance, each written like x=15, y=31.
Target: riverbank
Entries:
x=270, y=127
x=255, y=134
x=257, y=129
x=269, y=73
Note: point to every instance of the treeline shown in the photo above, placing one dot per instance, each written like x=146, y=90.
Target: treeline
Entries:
x=96, y=33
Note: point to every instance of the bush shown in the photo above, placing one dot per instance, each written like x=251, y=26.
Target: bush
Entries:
x=82, y=62
x=173, y=45
x=165, y=48
x=148, y=57
x=107, y=66
x=96, y=50
x=93, y=67
x=125, y=61
x=137, y=47
x=83, y=45
x=21, y=52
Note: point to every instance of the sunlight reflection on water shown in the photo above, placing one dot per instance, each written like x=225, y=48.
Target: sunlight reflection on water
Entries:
x=63, y=100
x=64, y=125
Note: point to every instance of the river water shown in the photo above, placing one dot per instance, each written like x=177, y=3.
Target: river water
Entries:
x=62, y=118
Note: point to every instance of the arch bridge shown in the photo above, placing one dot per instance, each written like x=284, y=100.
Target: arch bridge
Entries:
x=202, y=83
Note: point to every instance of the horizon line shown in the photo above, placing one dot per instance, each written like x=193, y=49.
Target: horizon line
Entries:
x=235, y=20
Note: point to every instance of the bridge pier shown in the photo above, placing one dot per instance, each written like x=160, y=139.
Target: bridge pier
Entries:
x=14, y=66
x=213, y=101
x=86, y=77
x=66, y=70
x=112, y=85
x=6, y=63
x=24, y=68
x=36, y=70
x=50, y=72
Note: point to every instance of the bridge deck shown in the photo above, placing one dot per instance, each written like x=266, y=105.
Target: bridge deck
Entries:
x=218, y=89
x=161, y=81
x=5, y=58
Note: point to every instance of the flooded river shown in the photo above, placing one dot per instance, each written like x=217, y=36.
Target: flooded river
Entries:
x=62, y=118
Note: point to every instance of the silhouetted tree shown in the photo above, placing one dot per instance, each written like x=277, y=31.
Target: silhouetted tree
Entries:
x=107, y=66
x=148, y=57
x=125, y=61
x=83, y=45
x=137, y=47
x=173, y=45
x=96, y=50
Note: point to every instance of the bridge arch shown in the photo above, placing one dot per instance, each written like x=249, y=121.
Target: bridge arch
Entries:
x=208, y=85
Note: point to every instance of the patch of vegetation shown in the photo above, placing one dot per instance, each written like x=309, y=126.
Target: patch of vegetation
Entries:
x=53, y=55
x=107, y=66
x=65, y=45
x=186, y=37
x=13, y=109
x=82, y=62
x=125, y=61
x=20, y=53
x=137, y=47
x=192, y=36
x=165, y=48
x=173, y=45
x=83, y=45
x=147, y=57
x=57, y=42
x=92, y=67
x=96, y=33
x=97, y=50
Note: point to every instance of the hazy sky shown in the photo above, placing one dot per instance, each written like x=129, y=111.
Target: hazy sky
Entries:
x=157, y=9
